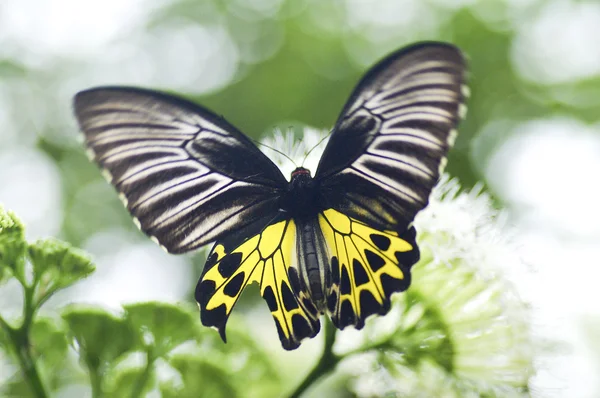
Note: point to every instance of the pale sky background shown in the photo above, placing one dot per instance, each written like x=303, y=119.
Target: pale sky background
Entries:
x=548, y=171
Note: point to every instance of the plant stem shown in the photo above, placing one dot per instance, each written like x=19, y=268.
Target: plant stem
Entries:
x=143, y=379
x=326, y=363
x=19, y=342
x=95, y=380
x=21, y=348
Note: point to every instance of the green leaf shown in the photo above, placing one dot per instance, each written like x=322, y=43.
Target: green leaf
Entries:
x=56, y=265
x=15, y=386
x=249, y=367
x=102, y=337
x=161, y=325
x=50, y=351
x=125, y=383
x=49, y=342
x=12, y=246
x=200, y=379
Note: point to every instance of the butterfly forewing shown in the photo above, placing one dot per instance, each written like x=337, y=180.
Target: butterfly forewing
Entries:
x=187, y=176
x=266, y=258
x=390, y=142
x=367, y=267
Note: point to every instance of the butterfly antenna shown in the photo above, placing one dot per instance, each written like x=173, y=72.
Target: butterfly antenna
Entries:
x=314, y=147
x=276, y=150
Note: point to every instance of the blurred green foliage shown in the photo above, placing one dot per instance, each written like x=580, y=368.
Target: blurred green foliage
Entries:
x=297, y=63
x=51, y=354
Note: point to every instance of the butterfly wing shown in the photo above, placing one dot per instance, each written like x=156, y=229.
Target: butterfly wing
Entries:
x=261, y=253
x=389, y=145
x=186, y=175
x=367, y=266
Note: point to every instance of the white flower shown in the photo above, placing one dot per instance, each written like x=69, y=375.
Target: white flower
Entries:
x=461, y=329
x=305, y=151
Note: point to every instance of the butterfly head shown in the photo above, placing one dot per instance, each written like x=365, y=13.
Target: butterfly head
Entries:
x=300, y=171
x=302, y=198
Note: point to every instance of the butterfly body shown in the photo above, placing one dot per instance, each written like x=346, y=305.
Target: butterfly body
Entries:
x=338, y=243
x=313, y=262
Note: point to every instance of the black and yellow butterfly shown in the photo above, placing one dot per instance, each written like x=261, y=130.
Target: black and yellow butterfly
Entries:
x=340, y=242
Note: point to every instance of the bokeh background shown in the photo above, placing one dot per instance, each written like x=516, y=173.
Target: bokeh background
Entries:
x=531, y=135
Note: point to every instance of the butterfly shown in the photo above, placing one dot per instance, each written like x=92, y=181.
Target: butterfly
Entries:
x=340, y=242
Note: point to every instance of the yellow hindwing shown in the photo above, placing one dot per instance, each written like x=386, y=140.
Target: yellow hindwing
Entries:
x=367, y=266
x=264, y=258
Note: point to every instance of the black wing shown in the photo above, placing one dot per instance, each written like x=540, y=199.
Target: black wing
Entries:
x=186, y=175
x=389, y=145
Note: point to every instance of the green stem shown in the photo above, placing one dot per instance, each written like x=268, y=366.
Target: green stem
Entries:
x=145, y=376
x=95, y=380
x=326, y=363
x=21, y=347
x=22, y=350
x=5, y=326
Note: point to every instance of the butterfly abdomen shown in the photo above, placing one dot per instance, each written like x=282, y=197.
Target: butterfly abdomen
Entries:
x=313, y=261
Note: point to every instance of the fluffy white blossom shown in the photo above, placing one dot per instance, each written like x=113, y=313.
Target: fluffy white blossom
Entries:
x=303, y=151
x=461, y=329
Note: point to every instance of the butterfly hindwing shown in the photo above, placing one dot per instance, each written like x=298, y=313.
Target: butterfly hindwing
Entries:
x=186, y=175
x=390, y=142
x=266, y=258
x=367, y=266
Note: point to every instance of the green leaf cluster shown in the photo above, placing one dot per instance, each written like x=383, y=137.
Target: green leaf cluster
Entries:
x=118, y=354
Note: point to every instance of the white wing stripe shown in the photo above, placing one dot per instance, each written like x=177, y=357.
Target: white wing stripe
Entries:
x=144, y=170
x=404, y=163
x=421, y=67
x=229, y=222
x=183, y=208
x=120, y=153
x=403, y=99
x=395, y=110
x=386, y=183
x=430, y=79
x=402, y=117
x=163, y=191
x=141, y=135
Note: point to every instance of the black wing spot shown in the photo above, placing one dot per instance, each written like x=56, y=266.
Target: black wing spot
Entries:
x=335, y=271
x=204, y=291
x=294, y=280
x=233, y=287
x=211, y=261
x=289, y=301
x=347, y=315
x=368, y=304
x=345, y=287
x=229, y=264
x=360, y=275
x=301, y=327
x=282, y=337
x=270, y=299
x=374, y=260
x=332, y=302
x=381, y=241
